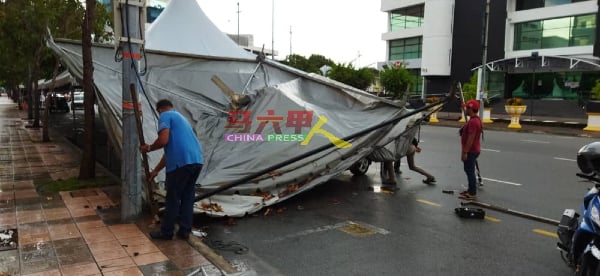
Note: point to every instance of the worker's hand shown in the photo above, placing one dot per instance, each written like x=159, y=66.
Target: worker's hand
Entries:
x=418, y=149
x=463, y=156
x=144, y=148
x=152, y=175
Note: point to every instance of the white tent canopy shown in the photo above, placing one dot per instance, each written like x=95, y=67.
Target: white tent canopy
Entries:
x=61, y=80
x=183, y=27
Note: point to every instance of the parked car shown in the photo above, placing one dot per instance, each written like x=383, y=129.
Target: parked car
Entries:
x=77, y=102
x=58, y=103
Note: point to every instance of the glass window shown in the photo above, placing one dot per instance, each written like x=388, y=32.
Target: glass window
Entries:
x=556, y=32
x=495, y=85
x=406, y=18
x=409, y=48
x=550, y=3
x=529, y=4
x=528, y=35
x=419, y=83
x=583, y=30
x=534, y=4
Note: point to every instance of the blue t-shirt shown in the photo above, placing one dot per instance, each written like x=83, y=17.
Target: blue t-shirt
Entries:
x=183, y=147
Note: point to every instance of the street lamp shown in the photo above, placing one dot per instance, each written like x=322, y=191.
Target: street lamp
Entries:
x=273, y=29
x=238, y=23
x=534, y=55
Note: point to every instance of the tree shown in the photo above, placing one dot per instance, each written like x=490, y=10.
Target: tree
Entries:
x=88, y=163
x=24, y=24
x=595, y=95
x=361, y=78
x=311, y=65
x=396, y=80
x=25, y=57
x=469, y=89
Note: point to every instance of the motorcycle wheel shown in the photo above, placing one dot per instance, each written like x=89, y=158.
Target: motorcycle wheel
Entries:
x=361, y=167
x=588, y=266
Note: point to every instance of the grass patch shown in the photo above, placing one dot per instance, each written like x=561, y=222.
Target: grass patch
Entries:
x=74, y=183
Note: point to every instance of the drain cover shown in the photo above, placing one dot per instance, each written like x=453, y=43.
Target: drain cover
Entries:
x=8, y=239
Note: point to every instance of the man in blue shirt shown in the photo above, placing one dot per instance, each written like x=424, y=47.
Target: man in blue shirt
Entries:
x=183, y=161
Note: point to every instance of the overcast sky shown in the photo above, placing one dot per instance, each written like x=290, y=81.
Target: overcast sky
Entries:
x=337, y=29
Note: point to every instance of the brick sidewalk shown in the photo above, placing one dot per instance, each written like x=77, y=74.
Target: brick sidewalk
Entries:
x=69, y=233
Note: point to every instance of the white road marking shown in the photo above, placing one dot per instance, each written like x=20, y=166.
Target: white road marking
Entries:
x=503, y=182
x=493, y=150
x=326, y=228
x=536, y=141
x=565, y=159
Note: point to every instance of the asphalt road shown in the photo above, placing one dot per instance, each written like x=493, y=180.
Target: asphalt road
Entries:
x=345, y=227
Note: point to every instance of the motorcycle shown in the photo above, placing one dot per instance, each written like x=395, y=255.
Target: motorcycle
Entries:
x=579, y=239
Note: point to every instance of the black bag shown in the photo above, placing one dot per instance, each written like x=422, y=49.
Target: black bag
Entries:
x=464, y=212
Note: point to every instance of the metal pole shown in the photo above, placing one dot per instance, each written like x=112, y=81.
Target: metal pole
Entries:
x=273, y=29
x=131, y=195
x=238, y=23
x=481, y=91
x=532, y=92
x=512, y=212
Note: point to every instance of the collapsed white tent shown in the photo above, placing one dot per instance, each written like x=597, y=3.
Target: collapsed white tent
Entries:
x=61, y=80
x=274, y=89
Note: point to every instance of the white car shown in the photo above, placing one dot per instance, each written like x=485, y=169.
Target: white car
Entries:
x=77, y=102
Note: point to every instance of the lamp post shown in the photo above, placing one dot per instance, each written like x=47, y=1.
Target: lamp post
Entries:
x=534, y=55
x=273, y=29
x=481, y=80
x=238, y=23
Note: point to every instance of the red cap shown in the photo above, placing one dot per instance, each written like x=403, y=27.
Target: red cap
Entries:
x=472, y=104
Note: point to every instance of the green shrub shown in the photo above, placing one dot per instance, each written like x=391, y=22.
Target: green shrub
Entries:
x=595, y=95
x=396, y=80
x=70, y=184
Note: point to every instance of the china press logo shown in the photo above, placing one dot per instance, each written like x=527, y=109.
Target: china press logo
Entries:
x=241, y=120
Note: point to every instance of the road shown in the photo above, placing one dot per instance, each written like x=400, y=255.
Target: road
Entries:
x=344, y=227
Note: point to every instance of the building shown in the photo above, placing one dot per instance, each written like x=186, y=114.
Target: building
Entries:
x=153, y=8
x=537, y=49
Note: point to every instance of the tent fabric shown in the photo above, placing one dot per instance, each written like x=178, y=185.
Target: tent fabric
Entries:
x=274, y=90
x=62, y=79
x=177, y=29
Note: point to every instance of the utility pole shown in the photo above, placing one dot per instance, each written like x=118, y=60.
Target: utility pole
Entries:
x=481, y=80
x=290, y=40
x=238, y=23
x=273, y=29
x=130, y=42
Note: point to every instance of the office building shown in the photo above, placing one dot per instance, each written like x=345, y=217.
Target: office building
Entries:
x=537, y=49
x=153, y=8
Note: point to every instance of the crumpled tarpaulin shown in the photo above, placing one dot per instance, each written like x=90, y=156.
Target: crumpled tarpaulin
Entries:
x=274, y=90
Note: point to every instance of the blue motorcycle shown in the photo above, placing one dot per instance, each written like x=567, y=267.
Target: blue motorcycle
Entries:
x=579, y=240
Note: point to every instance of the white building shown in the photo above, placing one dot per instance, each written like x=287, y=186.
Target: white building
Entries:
x=538, y=49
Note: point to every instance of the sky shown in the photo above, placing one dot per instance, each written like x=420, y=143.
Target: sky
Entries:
x=346, y=31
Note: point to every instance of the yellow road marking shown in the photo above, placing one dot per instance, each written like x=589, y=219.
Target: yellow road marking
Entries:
x=492, y=219
x=545, y=233
x=429, y=202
